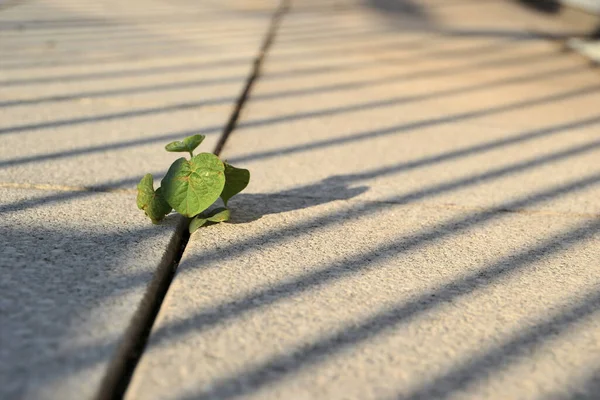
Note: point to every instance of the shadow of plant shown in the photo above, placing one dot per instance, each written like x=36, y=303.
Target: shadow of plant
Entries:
x=253, y=206
x=543, y=6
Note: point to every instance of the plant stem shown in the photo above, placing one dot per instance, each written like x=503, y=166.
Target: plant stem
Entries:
x=191, y=154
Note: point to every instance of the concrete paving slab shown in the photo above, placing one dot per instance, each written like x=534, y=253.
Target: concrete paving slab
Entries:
x=346, y=299
x=74, y=112
x=467, y=129
x=421, y=223
x=90, y=92
x=73, y=275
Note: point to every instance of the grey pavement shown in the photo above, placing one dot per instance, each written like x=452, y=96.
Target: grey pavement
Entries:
x=109, y=84
x=73, y=274
x=422, y=222
x=90, y=92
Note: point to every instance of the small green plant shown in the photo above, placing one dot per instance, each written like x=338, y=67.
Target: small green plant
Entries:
x=192, y=186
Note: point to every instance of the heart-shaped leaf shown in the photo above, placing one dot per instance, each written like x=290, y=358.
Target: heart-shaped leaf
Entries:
x=220, y=214
x=236, y=180
x=152, y=202
x=186, y=145
x=196, y=223
x=191, y=186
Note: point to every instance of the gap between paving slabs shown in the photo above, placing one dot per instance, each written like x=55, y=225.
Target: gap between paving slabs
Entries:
x=184, y=325
x=122, y=365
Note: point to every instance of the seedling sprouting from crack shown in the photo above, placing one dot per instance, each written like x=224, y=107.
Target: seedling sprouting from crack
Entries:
x=192, y=186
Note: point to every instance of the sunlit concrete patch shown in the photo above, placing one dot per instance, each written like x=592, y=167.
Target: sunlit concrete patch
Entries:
x=421, y=222
x=73, y=275
x=89, y=84
x=90, y=92
x=346, y=299
x=432, y=117
x=588, y=48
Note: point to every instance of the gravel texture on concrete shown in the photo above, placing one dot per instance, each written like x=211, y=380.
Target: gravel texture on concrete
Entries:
x=422, y=222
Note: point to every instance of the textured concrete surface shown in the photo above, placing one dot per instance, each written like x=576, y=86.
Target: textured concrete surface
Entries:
x=73, y=274
x=90, y=92
x=89, y=84
x=457, y=115
x=350, y=300
x=422, y=221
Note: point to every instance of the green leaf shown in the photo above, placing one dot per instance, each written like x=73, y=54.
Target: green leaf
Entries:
x=196, y=223
x=217, y=215
x=145, y=191
x=186, y=145
x=152, y=202
x=191, y=186
x=236, y=180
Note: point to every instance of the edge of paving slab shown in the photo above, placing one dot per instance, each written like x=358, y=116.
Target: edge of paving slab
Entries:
x=281, y=10
x=122, y=365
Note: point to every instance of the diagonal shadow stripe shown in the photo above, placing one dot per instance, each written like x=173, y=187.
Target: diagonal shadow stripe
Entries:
x=278, y=367
x=278, y=94
x=326, y=49
x=510, y=351
x=521, y=138
x=118, y=32
x=312, y=114
x=586, y=390
x=335, y=272
x=277, y=152
x=423, y=123
x=255, y=301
